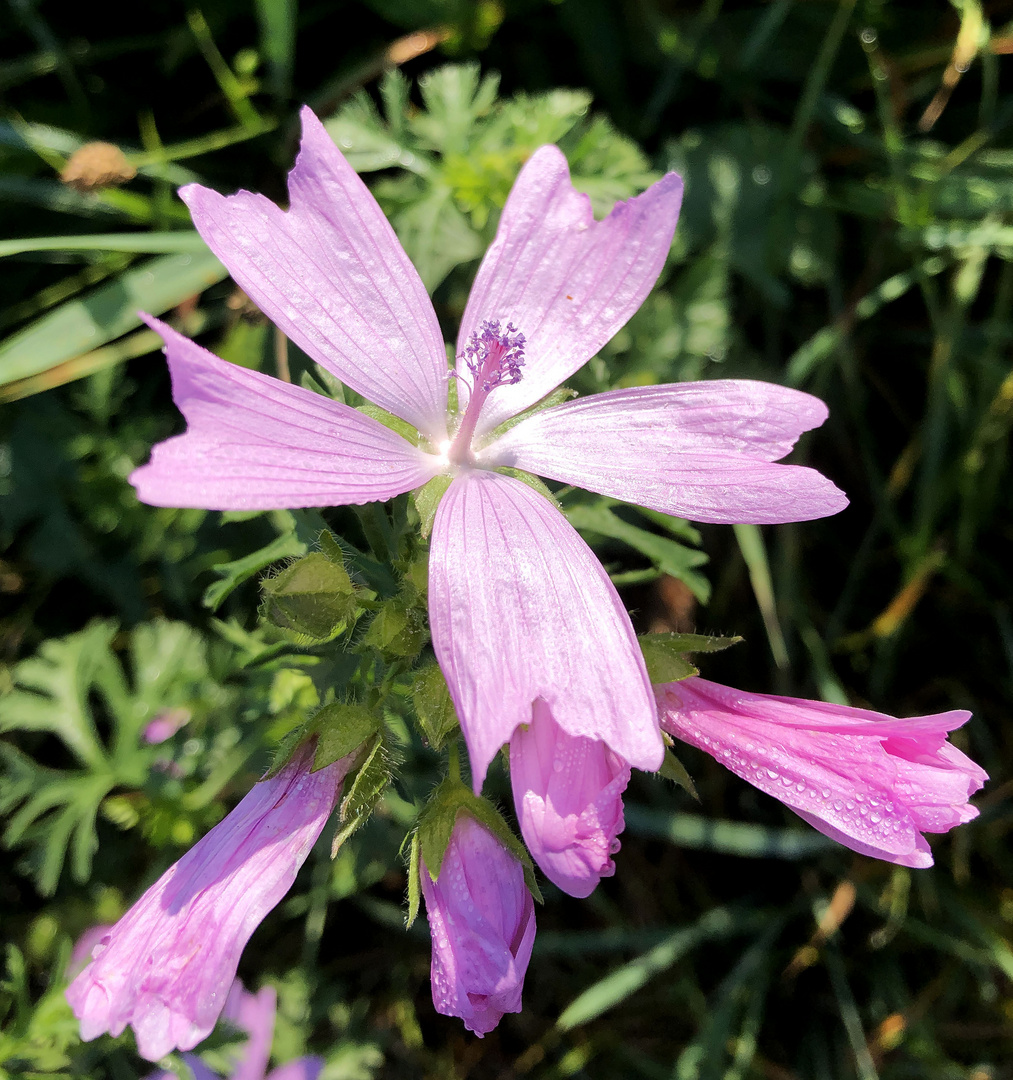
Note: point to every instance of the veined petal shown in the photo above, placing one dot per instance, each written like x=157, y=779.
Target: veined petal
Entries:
x=521, y=609
x=568, y=282
x=872, y=782
x=257, y=443
x=703, y=450
x=332, y=274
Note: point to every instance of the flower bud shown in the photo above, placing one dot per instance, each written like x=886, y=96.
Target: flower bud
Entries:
x=482, y=919
x=166, y=967
x=871, y=782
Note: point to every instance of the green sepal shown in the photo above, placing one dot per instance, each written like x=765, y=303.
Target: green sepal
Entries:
x=557, y=397
x=433, y=706
x=673, y=769
x=372, y=778
x=436, y=826
x=313, y=597
x=665, y=654
x=414, y=890
x=389, y=420
x=399, y=628
x=340, y=730
x=535, y=482
x=427, y=499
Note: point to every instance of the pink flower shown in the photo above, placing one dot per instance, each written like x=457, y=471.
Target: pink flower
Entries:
x=519, y=606
x=254, y=1014
x=482, y=920
x=872, y=782
x=167, y=965
x=568, y=793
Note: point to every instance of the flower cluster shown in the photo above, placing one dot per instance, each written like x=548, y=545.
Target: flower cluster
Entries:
x=537, y=649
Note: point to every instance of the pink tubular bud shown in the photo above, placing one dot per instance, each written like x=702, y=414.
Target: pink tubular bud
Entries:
x=568, y=796
x=166, y=967
x=482, y=919
x=871, y=782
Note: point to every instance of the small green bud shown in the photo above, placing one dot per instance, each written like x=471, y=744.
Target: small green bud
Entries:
x=314, y=597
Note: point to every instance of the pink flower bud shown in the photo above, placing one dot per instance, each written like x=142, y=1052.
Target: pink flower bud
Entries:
x=163, y=725
x=482, y=920
x=568, y=796
x=871, y=782
x=166, y=967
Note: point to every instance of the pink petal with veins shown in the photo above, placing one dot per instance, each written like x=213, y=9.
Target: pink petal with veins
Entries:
x=521, y=609
x=331, y=273
x=703, y=450
x=256, y=443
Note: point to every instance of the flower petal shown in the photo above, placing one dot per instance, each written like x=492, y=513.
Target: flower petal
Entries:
x=256, y=443
x=568, y=794
x=332, y=274
x=566, y=281
x=702, y=450
x=521, y=609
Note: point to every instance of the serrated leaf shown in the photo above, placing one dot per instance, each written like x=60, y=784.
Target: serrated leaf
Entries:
x=77, y=689
x=433, y=706
x=288, y=545
x=665, y=654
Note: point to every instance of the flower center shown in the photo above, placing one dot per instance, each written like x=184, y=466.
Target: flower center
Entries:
x=494, y=356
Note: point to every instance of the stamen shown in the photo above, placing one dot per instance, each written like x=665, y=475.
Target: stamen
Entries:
x=494, y=356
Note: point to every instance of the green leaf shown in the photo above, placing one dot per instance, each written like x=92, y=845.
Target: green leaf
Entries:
x=740, y=838
x=183, y=241
x=407, y=431
x=77, y=689
x=668, y=556
x=621, y=984
x=664, y=654
x=433, y=706
x=437, y=236
x=289, y=544
x=80, y=326
x=313, y=597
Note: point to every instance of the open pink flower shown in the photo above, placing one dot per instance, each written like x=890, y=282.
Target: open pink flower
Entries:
x=166, y=967
x=869, y=781
x=568, y=793
x=482, y=920
x=519, y=606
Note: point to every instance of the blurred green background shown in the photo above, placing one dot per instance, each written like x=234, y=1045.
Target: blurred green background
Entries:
x=847, y=229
